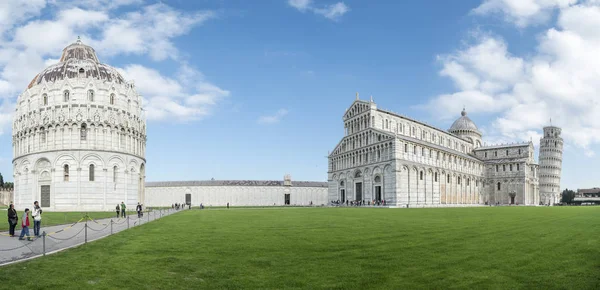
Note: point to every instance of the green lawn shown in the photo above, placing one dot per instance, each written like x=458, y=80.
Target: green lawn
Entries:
x=57, y=218
x=340, y=248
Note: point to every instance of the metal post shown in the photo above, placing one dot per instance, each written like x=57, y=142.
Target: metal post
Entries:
x=44, y=242
x=148, y=216
x=111, y=223
x=127, y=222
x=86, y=232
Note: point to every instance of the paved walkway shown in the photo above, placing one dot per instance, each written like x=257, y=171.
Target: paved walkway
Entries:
x=67, y=236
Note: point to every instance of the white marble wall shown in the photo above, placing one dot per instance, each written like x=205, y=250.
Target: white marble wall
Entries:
x=235, y=195
x=116, y=179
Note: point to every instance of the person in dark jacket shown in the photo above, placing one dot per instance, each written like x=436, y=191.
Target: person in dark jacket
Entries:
x=138, y=208
x=13, y=218
x=118, y=210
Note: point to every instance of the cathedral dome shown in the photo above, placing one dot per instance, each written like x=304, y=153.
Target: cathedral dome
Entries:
x=78, y=60
x=463, y=124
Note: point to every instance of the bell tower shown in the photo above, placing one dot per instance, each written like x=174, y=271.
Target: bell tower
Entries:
x=551, y=150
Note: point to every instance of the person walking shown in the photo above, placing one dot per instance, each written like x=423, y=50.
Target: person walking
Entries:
x=37, y=218
x=13, y=218
x=123, y=207
x=139, y=210
x=25, y=226
x=118, y=208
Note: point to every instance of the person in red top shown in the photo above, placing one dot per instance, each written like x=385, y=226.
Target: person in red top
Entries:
x=25, y=226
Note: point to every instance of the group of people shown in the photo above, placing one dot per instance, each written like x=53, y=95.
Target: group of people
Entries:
x=178, y=206
x=358, y=202
x=13, y=219
x=121, y=210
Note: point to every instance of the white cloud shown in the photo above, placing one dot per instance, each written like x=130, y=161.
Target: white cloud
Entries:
x=28, y=45
x=332, y=11
x=561, y=80
x=272, y=119
x=523, y=12
x=301, y=5
x=188, y=97
x=12, y=12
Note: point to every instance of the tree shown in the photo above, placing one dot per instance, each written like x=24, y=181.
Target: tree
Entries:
x=9, y=185
x=568, y=196
x=1, y=180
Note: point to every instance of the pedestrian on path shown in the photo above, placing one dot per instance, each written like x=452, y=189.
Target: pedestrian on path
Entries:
x=123, y=209
x=13, y=218
x=118, y=210
x=25, y=226
x=139, y=210
x=37, y=218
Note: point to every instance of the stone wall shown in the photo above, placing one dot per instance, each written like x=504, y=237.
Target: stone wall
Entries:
x=6, y=196
x=235, y=194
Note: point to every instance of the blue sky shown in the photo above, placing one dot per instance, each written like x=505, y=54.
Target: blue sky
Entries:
x=257, y=89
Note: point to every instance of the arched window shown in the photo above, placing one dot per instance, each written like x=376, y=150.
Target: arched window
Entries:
x=498, y=185
x=66, y=96
x=91, y=172
x=112, y=99
x=43, y=136
x=458, y=181
x=83, y=132
x=91, y=95
x=435, y=177
x=45, y=99
x=341, y=182
x=66, y=172
x=421, y=175
x=448, y=178
x=115, y=174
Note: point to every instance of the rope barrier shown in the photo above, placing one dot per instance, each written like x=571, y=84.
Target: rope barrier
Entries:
x=49, y=234
x=60, y=239
x=86, y=217
x=12, y=249
x=99, y=229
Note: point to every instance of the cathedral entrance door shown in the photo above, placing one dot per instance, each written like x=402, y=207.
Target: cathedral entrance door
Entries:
x=45, y=196
x=342, y=195
x=512, y=198
x=378, y=193
x=359, y=191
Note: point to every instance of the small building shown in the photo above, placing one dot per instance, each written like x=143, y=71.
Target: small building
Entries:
x=236, y=193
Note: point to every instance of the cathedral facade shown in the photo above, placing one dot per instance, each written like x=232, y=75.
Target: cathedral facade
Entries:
x=387, y=157
x=79, y=137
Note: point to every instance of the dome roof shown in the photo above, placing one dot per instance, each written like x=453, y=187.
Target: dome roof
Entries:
x=463, y=124
x=78, y=60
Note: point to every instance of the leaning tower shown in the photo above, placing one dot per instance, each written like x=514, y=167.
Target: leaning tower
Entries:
x=551, y=149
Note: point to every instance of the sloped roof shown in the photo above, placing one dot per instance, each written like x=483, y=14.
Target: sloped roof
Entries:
x=234, y=183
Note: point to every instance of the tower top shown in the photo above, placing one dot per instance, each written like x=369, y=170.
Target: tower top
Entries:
x=357, y=95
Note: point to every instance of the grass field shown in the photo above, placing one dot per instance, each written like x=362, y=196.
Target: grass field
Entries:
x=57, y=218
x=343, y=248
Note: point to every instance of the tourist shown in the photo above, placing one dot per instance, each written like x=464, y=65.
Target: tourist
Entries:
x=118, y=210
x=25, y=226
x=139, y=210
x=13, y=218
x=227, y=205
x=123, y=207
x=37, y=218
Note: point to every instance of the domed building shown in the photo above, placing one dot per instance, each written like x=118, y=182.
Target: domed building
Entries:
x=387, y=158
x=466, y=129
x=79, y=137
